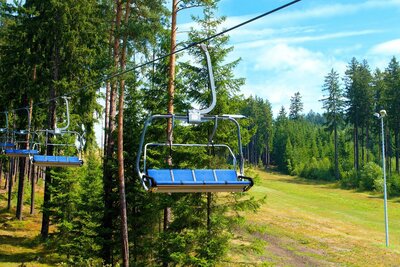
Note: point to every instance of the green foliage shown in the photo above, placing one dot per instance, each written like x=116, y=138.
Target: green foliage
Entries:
x=393, y=185
x=260, y=130
x=370, y=176
x=318, y=170
x=76, y=211
x=349, y=179
x=296, y=107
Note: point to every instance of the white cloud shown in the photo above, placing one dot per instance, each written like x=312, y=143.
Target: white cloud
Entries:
x=302, y=39
x=277, y=72
x=283, y=57
x=389, y=48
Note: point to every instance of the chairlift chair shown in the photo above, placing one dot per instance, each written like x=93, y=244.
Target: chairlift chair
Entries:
x=60, y=160
x=194, y=180
x=5, y=138
x=20, y=147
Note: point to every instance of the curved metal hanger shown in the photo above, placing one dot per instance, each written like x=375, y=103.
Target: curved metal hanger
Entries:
x=194, y=115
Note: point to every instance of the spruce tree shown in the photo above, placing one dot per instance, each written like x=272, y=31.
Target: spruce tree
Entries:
x=296, y=107
x=333, y=103
x=392, y=95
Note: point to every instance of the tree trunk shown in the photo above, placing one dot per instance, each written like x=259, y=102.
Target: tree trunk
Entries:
x=1, y=171
x=23, y=166
x=396, y=145
x=362, y=147
x=44, y=232
x=121, y=169
x=6, y=178
x=209, y=212
x=10, y=183
x=171, y=95
x=336, y=153
x=171, y=74
x=356, y=154
x=108, y=173
x=33, y=188
x=367, y=142
x=21, y=183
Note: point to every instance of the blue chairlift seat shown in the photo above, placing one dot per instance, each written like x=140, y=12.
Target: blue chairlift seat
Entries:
x=56, y=161
x=6, y=145
x=20, y=152
x=204, y=180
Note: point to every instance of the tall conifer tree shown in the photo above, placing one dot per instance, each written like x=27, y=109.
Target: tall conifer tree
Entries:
x=333, y=103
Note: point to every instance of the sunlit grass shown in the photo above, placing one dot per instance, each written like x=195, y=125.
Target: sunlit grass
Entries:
x=318, y=224
x=20, y=244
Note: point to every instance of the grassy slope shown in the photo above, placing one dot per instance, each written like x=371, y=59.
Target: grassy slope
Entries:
x=301, y=224
x=307, y=223
x=19, y=241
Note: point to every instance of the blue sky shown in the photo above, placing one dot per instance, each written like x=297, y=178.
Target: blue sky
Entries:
x=292, y=50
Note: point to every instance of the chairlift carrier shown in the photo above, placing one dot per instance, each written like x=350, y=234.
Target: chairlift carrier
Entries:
x=59, y=160
x=5, y=141
x=20, y=149
x=194, y=180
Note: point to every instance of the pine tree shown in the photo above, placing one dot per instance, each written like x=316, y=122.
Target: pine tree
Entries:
x=333, y=103
x=352, y=111
x=296, y=107
x=392, y=82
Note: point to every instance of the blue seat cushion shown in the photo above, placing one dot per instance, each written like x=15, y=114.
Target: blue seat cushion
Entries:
x=182, y=176
x=56, y=159
x=22, y=151
x=6, y=145
x=226, y=175
x=195, y=177
x=205, y=175
x=160, y=175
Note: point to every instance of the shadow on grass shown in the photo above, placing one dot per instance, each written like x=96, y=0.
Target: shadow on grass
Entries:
x=18, y=241
x=31, y=250
x=302, y=181
x=24, y=257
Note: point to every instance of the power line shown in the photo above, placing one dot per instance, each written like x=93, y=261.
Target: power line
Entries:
x=169, y=54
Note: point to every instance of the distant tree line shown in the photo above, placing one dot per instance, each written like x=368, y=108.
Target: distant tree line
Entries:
x=343, y=144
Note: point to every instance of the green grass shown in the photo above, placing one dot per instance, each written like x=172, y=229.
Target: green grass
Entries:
x=302, y=222
x=19, y=240
x=316, y=223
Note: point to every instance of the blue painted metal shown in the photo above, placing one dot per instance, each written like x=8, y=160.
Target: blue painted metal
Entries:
x=20, y=152
x=57, y=161
x=204, y=180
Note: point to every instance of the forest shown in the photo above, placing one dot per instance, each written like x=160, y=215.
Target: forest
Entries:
x=111, y=61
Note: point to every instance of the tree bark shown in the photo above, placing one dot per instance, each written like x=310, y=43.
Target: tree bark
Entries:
x=336, y=153
x=397, y=156
x=44, y=232
x=121, y=169
x=10, y=183
x=23, y=165
x=209, y=199
x=108, y=174
x=356, y=152
x=171, y=95
x=33, y=189
x=1, y=171
x=21, y=183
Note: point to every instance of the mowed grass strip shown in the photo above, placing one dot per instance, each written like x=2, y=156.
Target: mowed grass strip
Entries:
x=311, y=223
